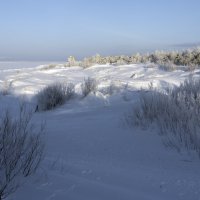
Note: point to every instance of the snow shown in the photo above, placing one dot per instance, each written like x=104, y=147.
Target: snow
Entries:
x=91, y=154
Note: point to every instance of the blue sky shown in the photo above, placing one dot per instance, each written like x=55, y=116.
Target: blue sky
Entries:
x=55, y=29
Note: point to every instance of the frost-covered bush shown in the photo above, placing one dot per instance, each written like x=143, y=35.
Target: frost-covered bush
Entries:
x=121, y=61
x=86, y=63
x=167, y=66
x=6, y=88
x=90, y=61
x=54, y=95
x=176, y=113
x=71, y=61
x=112, y=88
x=21, y=150
x=89, y=85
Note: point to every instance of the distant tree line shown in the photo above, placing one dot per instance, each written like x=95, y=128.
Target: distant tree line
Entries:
x=189, y=57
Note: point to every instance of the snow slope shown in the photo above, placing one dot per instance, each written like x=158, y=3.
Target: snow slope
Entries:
x=90, y=153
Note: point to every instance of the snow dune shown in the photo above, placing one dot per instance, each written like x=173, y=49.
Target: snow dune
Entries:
x=90, y=153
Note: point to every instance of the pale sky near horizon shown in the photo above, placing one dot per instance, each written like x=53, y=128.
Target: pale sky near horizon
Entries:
x=55, y=29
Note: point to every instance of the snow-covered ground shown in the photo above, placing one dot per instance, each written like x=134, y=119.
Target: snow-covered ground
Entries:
x=90, y=152
x=5, y=65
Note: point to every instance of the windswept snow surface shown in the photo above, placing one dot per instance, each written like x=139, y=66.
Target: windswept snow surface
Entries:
x=90, y=153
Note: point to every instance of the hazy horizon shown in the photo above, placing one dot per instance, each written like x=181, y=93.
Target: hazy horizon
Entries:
x=53, y=30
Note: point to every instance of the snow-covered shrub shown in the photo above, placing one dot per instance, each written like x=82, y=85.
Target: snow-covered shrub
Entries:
x=89, y=85
x=97, y=59
x=21, y=150
x=54, y=95
x=48, y=67
x=71, y=61
x=51, y=66
x=121, y=61
x=110, y=89
x=176, y=113
x=86, y=63
x=6, y=88
x=191, y=67
x=167, y=66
